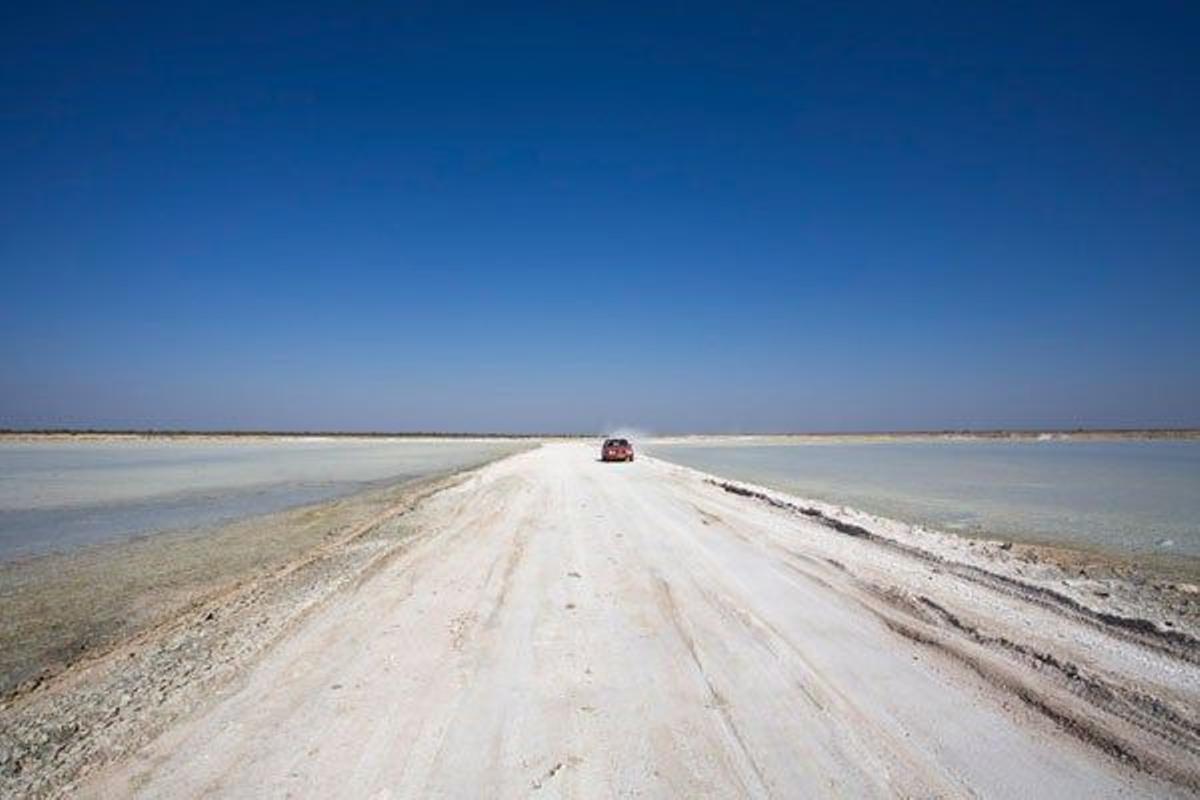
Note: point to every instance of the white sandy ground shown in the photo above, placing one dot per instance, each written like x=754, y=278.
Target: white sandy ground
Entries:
x=563, y=627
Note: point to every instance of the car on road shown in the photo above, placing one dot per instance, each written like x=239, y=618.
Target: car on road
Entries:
x=616, y=450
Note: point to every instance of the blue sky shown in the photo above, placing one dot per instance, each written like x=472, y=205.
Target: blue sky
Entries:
x=533, y=218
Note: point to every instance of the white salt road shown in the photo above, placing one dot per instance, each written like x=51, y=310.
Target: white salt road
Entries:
x=563, y=627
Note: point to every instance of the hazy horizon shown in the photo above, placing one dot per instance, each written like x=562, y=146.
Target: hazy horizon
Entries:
x=615, y=431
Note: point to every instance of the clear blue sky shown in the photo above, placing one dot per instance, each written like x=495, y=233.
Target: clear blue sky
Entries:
x=582, y=216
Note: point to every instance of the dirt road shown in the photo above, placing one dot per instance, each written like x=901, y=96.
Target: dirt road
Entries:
x=564, y=627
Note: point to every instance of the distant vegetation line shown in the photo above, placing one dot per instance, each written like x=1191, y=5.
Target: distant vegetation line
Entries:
x=1003, y=432
x=983, y=433
x=250, y=433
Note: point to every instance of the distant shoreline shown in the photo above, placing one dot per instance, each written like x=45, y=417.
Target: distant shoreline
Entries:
x=164, y=435
x=1098, y=435
x=1016, y=434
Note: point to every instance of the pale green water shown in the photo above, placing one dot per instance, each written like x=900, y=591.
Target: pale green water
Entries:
x=1124, y=496
x=58, y=495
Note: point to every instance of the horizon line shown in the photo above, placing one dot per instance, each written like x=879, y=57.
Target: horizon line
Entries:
x=235, y=432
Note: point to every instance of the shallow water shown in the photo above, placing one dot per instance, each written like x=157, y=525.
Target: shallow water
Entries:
x=1129, y=496
x=59, y=495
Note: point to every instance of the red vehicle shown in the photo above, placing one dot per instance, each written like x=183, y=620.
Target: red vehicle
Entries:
x=616, y=450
